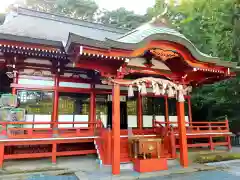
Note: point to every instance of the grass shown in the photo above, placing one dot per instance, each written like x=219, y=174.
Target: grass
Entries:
x=202, y=156
x=216, y=157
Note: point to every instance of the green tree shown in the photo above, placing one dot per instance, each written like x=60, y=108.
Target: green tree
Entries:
x=214, y=28
x=88, y=10
x=236, y=24
x=81, y=9
x=157, y=9
x=122, y=18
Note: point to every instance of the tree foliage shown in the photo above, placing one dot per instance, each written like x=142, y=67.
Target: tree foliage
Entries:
x=122, y=18
x=81, y=9
x=214, y=27
x=88, y=10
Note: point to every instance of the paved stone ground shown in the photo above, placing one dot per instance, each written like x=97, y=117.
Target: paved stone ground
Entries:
x=86, y=168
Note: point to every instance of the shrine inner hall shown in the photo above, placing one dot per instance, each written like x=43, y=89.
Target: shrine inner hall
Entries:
x=71, y=87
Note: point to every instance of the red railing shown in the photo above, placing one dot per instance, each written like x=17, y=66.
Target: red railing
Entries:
x=53, y=131
x=196, y=127
x=196, y=130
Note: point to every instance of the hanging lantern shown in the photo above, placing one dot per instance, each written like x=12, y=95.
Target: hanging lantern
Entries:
x=130, y=91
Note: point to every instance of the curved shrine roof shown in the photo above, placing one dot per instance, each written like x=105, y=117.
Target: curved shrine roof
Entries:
x=31, y=26
x=40, y=27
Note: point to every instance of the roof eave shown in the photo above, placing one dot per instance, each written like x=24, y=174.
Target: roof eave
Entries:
x=25, y=39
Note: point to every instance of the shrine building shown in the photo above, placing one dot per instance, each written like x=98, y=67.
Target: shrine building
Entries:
x=88, y=88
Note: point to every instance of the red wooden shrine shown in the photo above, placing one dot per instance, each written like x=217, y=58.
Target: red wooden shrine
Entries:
x=50, y=53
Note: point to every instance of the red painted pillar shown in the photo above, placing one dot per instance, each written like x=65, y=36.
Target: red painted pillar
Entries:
x=182, y=134
x=15, y=81
x=166, y=112
x=189, y=111
x=109, y=146
x=92, y=118
x=139, y=112
x=116, y=130
x=54, y=153
x=211, y=143
x=55, y=105
x=173, y=144
x=228, y=138
x=1, y=155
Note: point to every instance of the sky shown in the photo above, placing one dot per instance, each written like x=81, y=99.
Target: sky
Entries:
x=138, y=6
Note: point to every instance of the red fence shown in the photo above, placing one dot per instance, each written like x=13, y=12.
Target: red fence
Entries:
x=197, y=127
x=197, y=130
x=17, y=129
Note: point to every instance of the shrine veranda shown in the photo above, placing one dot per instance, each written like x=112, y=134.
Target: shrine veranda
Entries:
x=87, y=88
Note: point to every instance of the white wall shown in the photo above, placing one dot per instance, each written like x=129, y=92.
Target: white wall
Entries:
x=38, y=118
x=51, y=83
x=132, y=121
x=61, y=118
x=36, y=82
x=147, y=120
x=174, y=119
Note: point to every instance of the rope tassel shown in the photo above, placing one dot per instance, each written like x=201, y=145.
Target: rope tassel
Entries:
x=170, y=91
x=143, y=89
x=130, y=91
x=163, y=89
x=157, y=89
x=180, y=94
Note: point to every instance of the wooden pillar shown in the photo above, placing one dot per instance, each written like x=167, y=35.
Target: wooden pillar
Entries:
x=54, y=153
x=92, y=117
x=166, y=112
x=139, y=112
x=228, y=138
x=182, y=134
x=15, y=81
x=173, y=144
x=108, y=154
x=116, y=129
x=55, y=105
x=211, y=145
x=189, y=110
x=1, y=155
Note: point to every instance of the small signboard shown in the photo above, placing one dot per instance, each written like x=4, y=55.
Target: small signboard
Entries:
x=8, y=100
